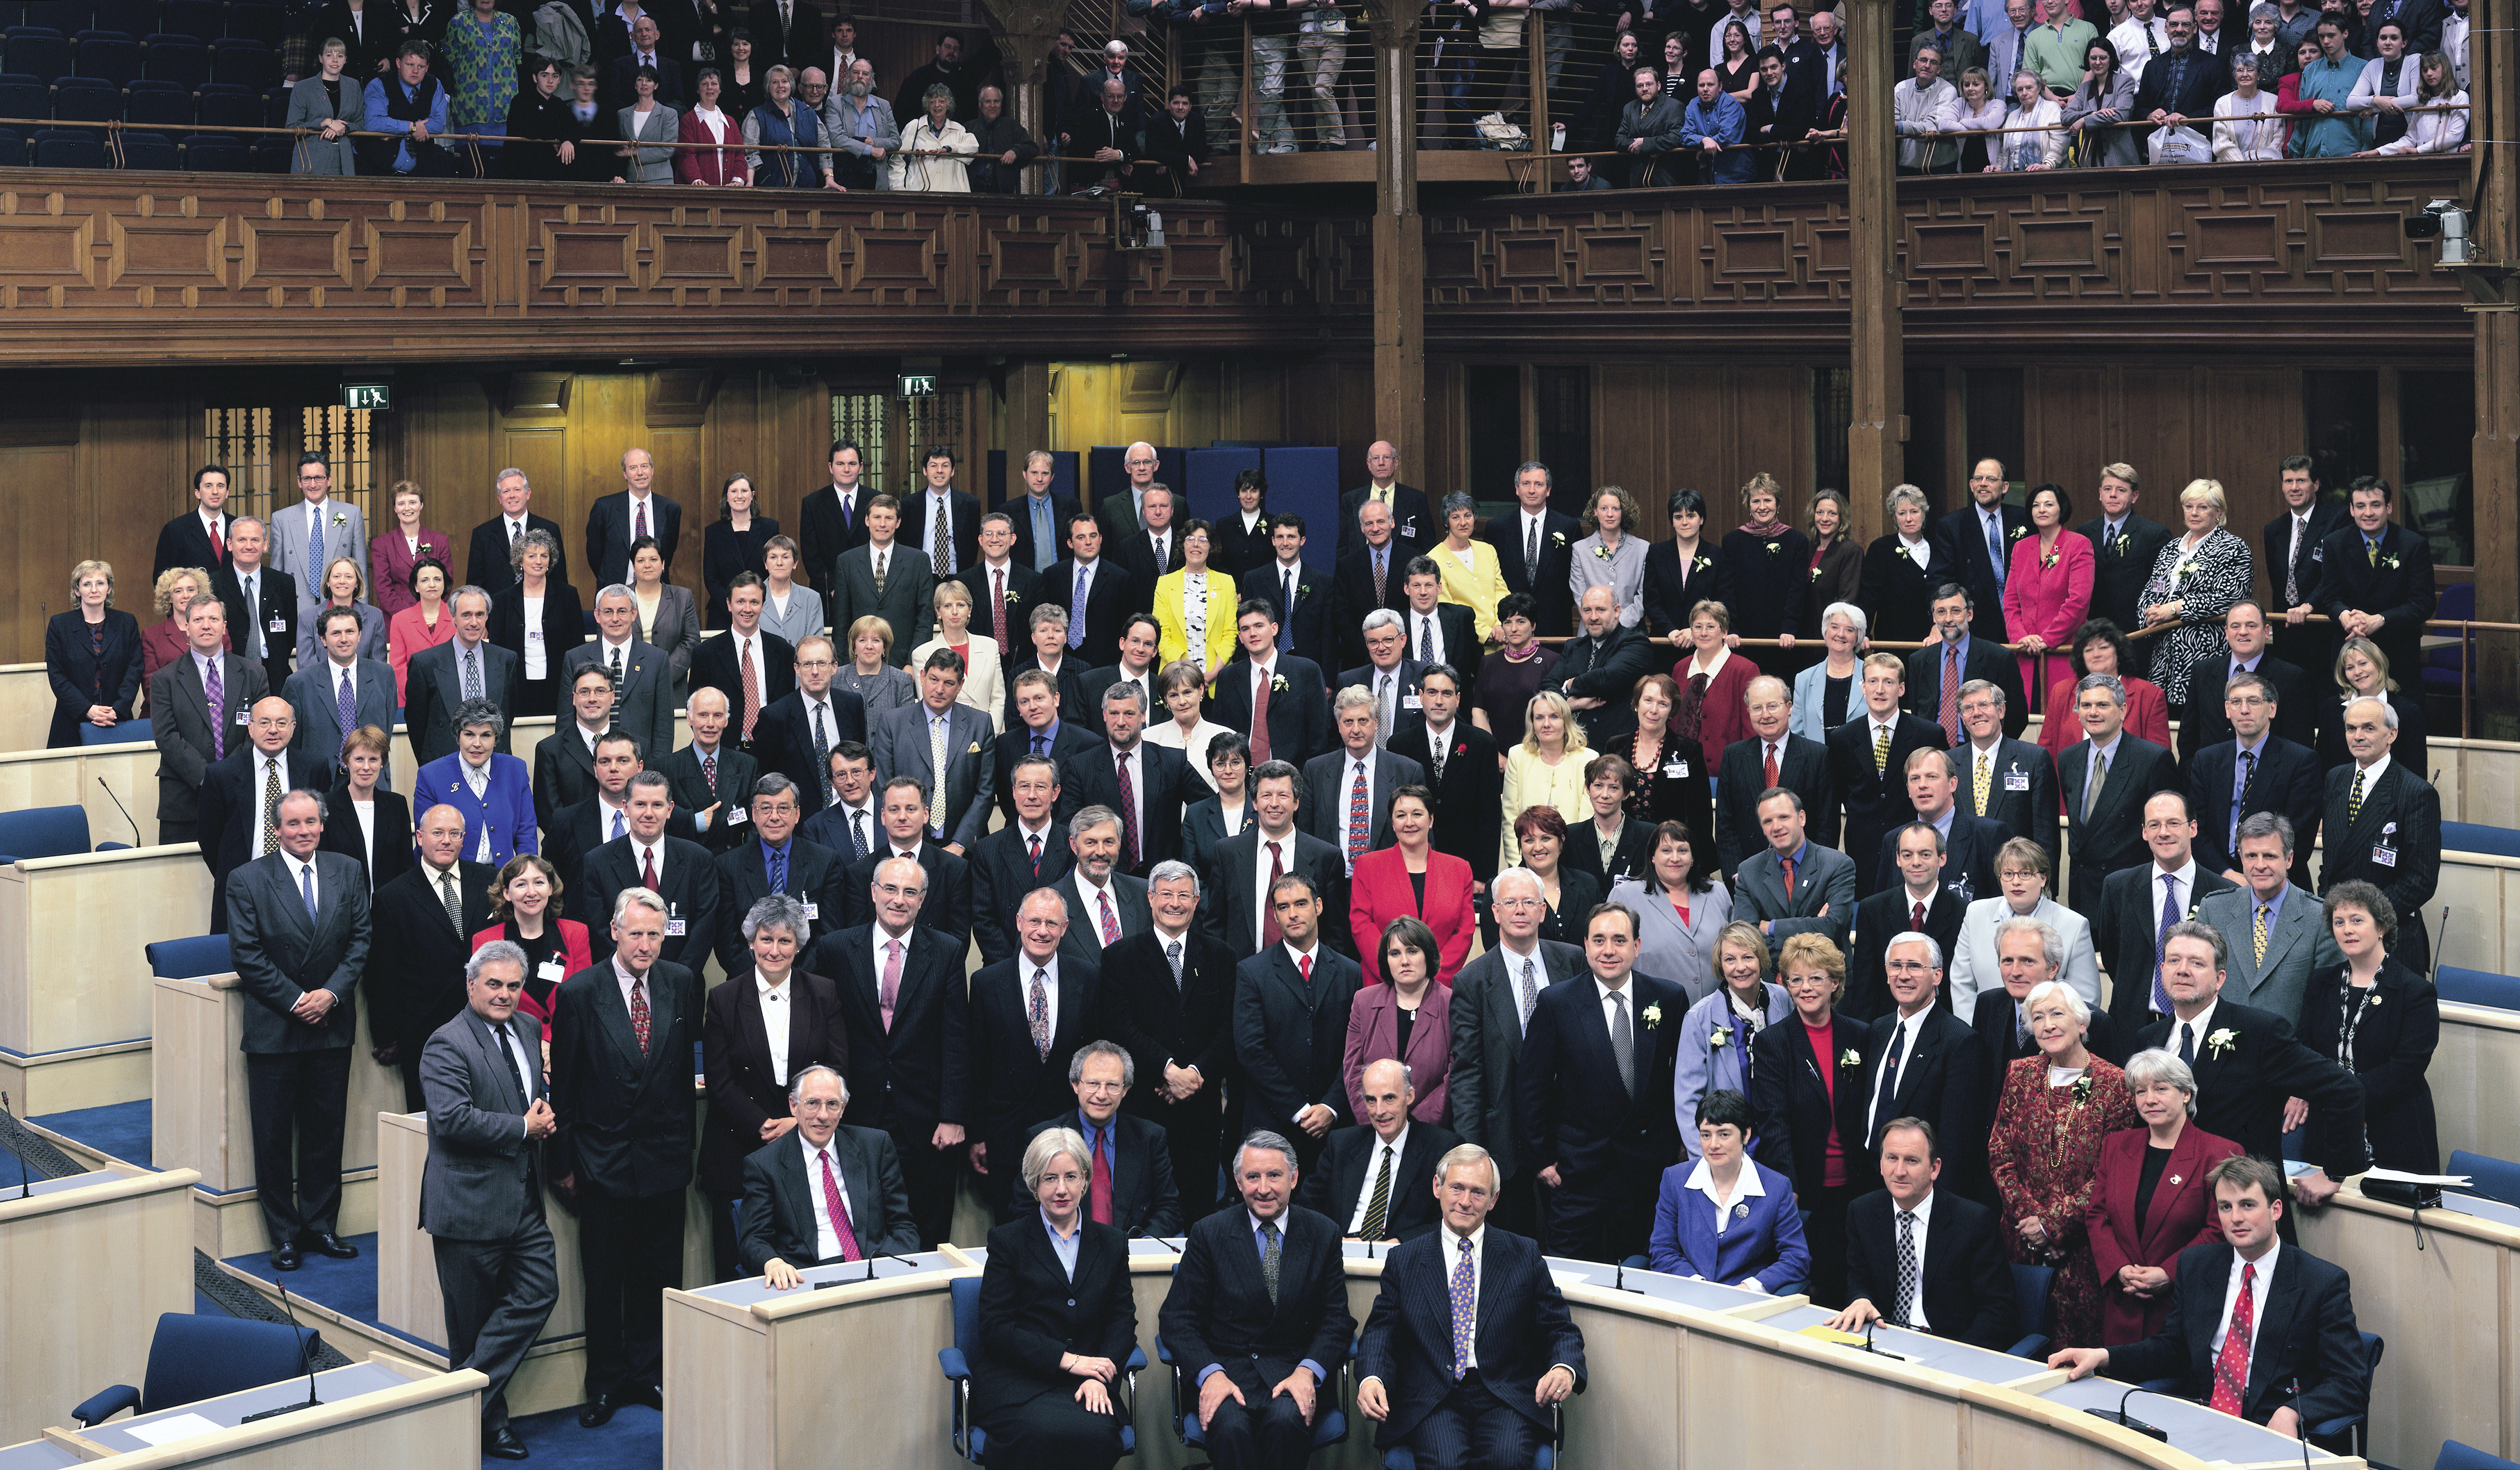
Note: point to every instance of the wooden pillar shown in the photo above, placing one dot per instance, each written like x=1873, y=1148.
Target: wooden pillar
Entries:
x=1026, y=425
x=1399, y=237
x=1874, y=458
x=1027, y=30
x=2495, y=201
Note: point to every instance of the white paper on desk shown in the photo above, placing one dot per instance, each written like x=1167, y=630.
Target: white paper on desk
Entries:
x=168, y=1431
x=2401, y=1176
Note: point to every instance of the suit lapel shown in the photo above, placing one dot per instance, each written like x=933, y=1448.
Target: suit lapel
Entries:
x=615, y=1012
x=2279, y=1299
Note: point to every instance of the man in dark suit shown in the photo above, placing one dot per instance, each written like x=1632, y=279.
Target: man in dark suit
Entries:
x=797, y=735
x=789, y=1224
x=262, y=602
x=1041, y=516
x=712, y=780
x=2383, y=825
x=1920, y=900
x=1376, y=1180
x=1410, y=519
x=800, y=39
x=1970, y=843
x=1924, y=1063
x=576, y=830
x=905, y=1003
x=1103, y=586
x=2291, y=1355
x=1031, y=851
x=2250, y=769
x=2201, y=721
x=200, y=536
x=192, y=729
x=622, y=1033
x=1943, y=1273
x=1027, y=1016
x=773, y=859
x=1295, y=725
x=903, y=806
x=1973, y=547
x=1150, y=803
x=1039, y=726
x=1934, y=692
x=1311, y=631
x=1598, y=671
x=481, y=1193
x=1794, y=885
x=1257, y=1317
x=1004, y=587
x=906, y=740
x=831, y=519
x=615, y=521
x=468, y=666
x=2140, y=902
x=2180, y=84
x=299, y=933
x=722, y=663
x=1867, y=764
x=1462, y=769
x=1133, y=1187
x=1238, y=912
x=1535, y=550
x=241, y=796
x=1104, y=904
x=1595, y=1094
x=1141, y=645
x=1290, y=1008
x=2029, y=952
x=2376, y=577
x=642, y=681
x=2292, y=544
x=1480, y=1401
x=649, y=857
x=620, y=90
x=1491, y=1001
x=1050, y=657
x=1330, y=805
x=1772, y=757
x=1371, y=576
x=491, y=562
x=1434, y=631
x=883, y=578
x=1168, y=1001
x=1155, y=551
x=315, y=691
x=959, y=510
x=2105, y=779
x=1117, y=514
x=2010, y=782
x=2125, y=545
x=419, y=943
x=851, y=823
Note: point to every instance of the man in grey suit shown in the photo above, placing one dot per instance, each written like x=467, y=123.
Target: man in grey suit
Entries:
x=341, y=693
x=643, y=684
x=307, y=536
x=788, y=1221
x=1493, y=997
x=198, y=706
x=297, y=929
x=2106, y=779
x=1104, y=904
x=906, y=741
x=1235, y=907
x=2273, y=973
x=1331, y=781
x=885, y=579
x=1796, y=886
x=467, y=666
x=481, y=1194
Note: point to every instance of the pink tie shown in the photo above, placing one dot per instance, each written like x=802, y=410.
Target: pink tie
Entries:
x=890, y=990
x=839, y=1208
x=641, y=529
x=1952, y=692
x=1111, y=926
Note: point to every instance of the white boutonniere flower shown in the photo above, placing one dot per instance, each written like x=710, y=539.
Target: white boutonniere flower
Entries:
x=2375, y=1000
x=1303, y=590
x=2051, y=558
x=2389, y=562
x=1851, y=1058
x=2388, y=828
x=2222, y=1040
x=2083, y=1089
x=1720, y=1038
x=427, y=550
x=1558, y=538
x=339, y=519
x=1773, y=547
x=1815, y=574
x=1654, y=1017
x=2016, y=533
x=1602, y=551
x=2179, y=575
x=1013, y=597
x=1702, y=564
x=2123, y=544
x=1278, y=686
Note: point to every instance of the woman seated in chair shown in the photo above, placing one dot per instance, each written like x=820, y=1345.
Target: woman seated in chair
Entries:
x=1056, y=1323
x=1728, y=1218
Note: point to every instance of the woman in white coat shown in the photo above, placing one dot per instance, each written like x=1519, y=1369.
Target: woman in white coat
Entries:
x=2032, y=107
x=2246, y=129
x=983, y=685
x=2428, y=132
x=2021, y=871
x=935, y=150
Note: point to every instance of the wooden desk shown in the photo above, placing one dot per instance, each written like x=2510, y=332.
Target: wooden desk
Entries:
x=383, y=1411
x=87, y=1264
x=2471, y=1077
x=2482, y=894
x=71, y=930
x=25, y=705
x=2450, y=1314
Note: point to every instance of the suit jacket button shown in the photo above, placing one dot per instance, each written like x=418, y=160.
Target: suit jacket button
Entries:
x=1071, y=1300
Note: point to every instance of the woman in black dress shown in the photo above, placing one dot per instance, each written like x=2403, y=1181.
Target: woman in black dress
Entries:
x=1898, y=592
x=2380, y=1018
x=1242, y=539
x=92, y=656
x=734, y=542
x=1765, y=567
x=538, y=618
x=1054, y=1338
x=1672, y=774
x=1569, y=893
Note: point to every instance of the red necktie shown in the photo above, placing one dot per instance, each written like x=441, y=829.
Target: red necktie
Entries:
x=2231, y=1364
x=1270, y=933
x=1099, y=1199
x=1789, y=879
x=1772, y=770
x=1920, y=918
x=1952, y=692
x=1306, y=966
x=219, y=543
x=641, y=529
x=1260, y=721
x=638, y=1012
x=1128, y=819
x=1033, y=841
x=839, y=1211
x=1111, y=926
x=648, y=871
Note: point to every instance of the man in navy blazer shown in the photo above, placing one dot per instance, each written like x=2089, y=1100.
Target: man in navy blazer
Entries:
x=1311, y=631
x=2376, y=576
x=1924, y=1063
x=1038, y=726
x=961, y=518
x=615, y=521
x=436, y=684
x=2183, y=82
x=2202, y=721
x=1965, y=543
x=1547, y=580
x=231, y=810
x=1019, y=1069
x=2293, y=567
x=1802, y=767
x=1159, y=777
x=2252, y=770
x=1290, y=1009
x=1330, y=781
x=1298, y=726
x=2306, y=1359
x=1480, y=1404
x=1970, y=843
x=784, y=737
x=1979, y=658
x=1960, y=1288
x=1870, y=784
x=1092, y=629
x=1033, y=550
x=1595, y=1084
x=315, y=691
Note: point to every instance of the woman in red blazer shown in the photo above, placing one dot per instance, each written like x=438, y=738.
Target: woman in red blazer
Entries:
x=394, y=552
x=1412, y=879
x=2138, y=1230
x=2047, y=593
x=525, y=903
x=1405, y=951
x=2099, y=648
x=705, y=124
x=1711, y=681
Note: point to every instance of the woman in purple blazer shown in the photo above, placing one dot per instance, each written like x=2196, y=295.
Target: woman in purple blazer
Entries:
x=1408, y=1016
x=403, y=546
x=1727, y=1218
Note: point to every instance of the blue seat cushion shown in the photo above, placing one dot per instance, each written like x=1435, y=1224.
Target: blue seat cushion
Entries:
x=2457, y=1456
x=2495, y=1178
x=43, y=832
x=2477, y=988
x=2476, y=837
x=190, y=958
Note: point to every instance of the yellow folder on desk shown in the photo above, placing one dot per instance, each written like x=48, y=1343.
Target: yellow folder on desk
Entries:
x=1828, y=1334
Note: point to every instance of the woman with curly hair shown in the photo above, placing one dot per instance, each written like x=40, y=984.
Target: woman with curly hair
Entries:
x=1613, y=555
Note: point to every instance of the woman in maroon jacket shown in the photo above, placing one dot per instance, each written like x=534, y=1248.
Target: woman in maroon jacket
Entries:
x=2149, y=1200
x=720, y=160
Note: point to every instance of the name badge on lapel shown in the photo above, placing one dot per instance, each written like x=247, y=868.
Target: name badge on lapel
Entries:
x=2016, y=780
x=2386, y=857
x=1409, y=702
x=279, y=624
x=738, y=818
x=552, y=970
x=674, y=923
x=1676, y=767
x=813, y=911
x=240, y=718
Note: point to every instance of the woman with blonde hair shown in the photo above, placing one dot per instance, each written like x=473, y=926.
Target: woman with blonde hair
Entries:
x=1765, y=563
x=868, y=671
x=1545, y=770
x=163, y=642
x=1807, y=1098
x=983, y=687
x=2196, y=580
x=91, y=657
x=343, y=586
x=2362, y=672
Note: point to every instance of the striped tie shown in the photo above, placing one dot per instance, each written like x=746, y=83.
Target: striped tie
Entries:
x=2257, y=936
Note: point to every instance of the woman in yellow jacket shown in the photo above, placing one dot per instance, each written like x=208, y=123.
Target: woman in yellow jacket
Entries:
x=1546, y=770
x=1194, y=607
x=1473, y=578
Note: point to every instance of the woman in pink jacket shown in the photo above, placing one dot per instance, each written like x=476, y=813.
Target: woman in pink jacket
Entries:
x=2049, y=589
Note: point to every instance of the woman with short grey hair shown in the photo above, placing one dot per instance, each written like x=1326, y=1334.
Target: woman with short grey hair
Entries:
x=1824, y=695
x=1056, y=1325
x=2148, y=1197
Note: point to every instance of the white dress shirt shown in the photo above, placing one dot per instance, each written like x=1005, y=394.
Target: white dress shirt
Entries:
x=1262, y=673
x=1745, y=1185
x=2370, y=774
x=2198, y=1029
x=1514, y=963
x=941, y=508
x=1396, y=1149
x=2266, y=1276
x=1423, y=626
x=365, y=811
x=826, y=1235
x=1905, y=1043
x=777, y=1021
x=2186, y=877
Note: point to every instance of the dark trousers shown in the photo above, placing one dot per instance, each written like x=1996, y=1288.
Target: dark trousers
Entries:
x=177, y=831
x=498, y=1294
x=304, y=1092
x=1824, y=1235
x=725, y=1259
x=1603, y=1216
x=1266, y=1431
x=928, y=1174
x=1194, y=1135
x=407, y=1063
x=1474, y=1429
x=631, y=1249
x=1055, y=1432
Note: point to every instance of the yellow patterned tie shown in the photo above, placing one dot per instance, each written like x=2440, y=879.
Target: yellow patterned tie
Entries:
x=2353, y=800
x=2371, y=552
x=2258, y=935
x=1985, y=775
x=1880, y=749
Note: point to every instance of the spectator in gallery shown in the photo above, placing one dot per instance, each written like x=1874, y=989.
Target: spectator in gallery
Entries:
x=2246, y=129
x=2439, y=125
x=334, y=106
x=2097, y=108
x=718, y=159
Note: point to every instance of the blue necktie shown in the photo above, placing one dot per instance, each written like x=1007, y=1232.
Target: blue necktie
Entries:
x=1995, y=545
x=1286, y=616
x=617, y=828
x=306, y=885
x=2241, y=793
x=778, y=868
x=315, y=548
x=1076, y=610
x=2170, y=914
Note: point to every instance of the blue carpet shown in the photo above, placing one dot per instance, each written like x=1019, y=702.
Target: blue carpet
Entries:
x=349, y=1287
x=118, y=1130
x=635, y=1440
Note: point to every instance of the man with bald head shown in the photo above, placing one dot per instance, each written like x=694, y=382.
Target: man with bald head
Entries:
x=240, y=818
x=1029, y=1014
x=634, y=511
x=1119, y=514
x=425, y=922
x=1411, y=522
x=1376, y=1180
x=1598, y=669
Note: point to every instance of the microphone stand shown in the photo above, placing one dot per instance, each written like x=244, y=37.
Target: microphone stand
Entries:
x=305, y=1359
x=135, y=827
x=25, y=1181
x=2125, y=1420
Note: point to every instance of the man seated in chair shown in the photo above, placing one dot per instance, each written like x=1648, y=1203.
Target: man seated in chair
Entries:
x=832, y=1192
x=2258, y=1329
x=1924, y=1258
x=1132, y=1170
x=1257, y=1316
x=1469, y=1348
x=1376, y=1180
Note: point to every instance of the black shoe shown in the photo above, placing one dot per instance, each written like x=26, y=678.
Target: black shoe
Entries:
x=598, y=1412
x=502, y=1444
x=285, y=1257
x=331, y=1245
x=647, y=1393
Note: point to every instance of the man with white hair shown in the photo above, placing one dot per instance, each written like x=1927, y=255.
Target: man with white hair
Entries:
x=1347, y=791
x=2029, y=952
x=1493, y=997
x=1168, y=997
x=1028, y=1015
x=1923, y=1063
x=831, y=1192
x=2382, y=822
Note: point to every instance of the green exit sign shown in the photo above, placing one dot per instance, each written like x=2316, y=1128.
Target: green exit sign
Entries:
x=918, y=385
x=368, y=395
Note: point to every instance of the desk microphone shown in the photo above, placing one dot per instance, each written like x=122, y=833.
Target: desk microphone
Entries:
x=25, y=1181
x=305, y=1359
x=2444, y=944
x=2122, y=1418
x=135, y=827
x=2300, y=1425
